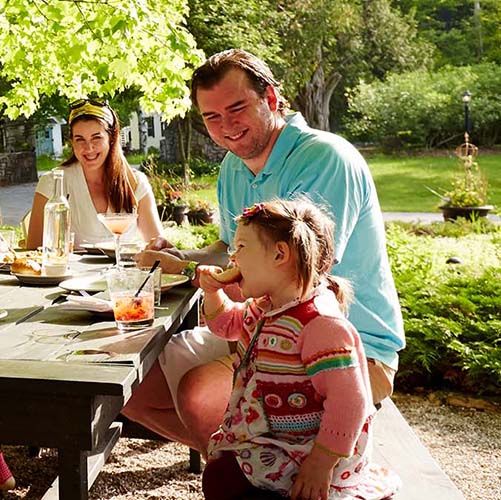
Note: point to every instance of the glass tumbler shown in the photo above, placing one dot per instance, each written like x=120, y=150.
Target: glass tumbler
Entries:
x=132, y=311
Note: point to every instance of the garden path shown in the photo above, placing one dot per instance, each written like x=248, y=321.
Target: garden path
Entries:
x=16, y=200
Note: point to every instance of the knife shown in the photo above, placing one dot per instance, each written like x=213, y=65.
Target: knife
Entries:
x=59, y=298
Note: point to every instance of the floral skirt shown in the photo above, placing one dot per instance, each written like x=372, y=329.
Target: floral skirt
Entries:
x=274, y=466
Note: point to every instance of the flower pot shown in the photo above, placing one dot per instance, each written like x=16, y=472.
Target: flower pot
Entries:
x=180, y=214
x=470, y=213
x=201, y=217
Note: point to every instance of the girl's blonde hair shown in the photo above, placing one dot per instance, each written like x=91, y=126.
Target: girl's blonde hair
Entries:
x=309, y=231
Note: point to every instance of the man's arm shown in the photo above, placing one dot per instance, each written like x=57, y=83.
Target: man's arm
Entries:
x=215, y=254
x=175, y=261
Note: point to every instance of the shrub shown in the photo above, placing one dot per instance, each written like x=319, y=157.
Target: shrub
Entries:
x=424, y=109
x=452, y=312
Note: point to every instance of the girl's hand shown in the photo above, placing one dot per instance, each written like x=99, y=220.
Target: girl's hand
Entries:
x=314, y=477
x=207, y=282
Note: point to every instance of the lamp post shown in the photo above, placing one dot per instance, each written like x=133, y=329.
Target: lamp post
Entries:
x=466, y=100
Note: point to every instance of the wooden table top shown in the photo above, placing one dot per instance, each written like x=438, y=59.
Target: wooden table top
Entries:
x=65, y=347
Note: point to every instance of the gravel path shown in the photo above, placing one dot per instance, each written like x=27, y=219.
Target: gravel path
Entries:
x=465, y=442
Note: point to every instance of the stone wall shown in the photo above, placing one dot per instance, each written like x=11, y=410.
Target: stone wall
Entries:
x=204, y=147
x=201, y=146
x=16, y=168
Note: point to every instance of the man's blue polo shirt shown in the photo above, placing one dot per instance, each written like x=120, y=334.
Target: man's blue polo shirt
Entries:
x=330, y=171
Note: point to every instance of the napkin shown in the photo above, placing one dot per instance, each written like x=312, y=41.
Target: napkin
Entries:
x=96, y=303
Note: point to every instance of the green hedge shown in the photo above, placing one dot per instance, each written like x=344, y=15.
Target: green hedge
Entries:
x=424, y=108
x=452, y=312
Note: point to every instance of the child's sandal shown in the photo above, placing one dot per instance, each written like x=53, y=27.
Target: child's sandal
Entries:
x=7, y=481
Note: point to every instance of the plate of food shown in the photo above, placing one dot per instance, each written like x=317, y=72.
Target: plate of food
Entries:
x=28, y=270
x=40, y=279
x=171, y=280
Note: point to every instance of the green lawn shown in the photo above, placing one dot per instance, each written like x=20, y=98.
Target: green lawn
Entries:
x=401, y=181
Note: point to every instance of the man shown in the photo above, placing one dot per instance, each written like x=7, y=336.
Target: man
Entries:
x=270, y=154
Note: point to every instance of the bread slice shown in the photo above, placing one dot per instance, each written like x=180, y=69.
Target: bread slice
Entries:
x=230, y=275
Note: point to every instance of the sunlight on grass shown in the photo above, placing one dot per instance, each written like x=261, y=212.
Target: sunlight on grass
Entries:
x=401, y=181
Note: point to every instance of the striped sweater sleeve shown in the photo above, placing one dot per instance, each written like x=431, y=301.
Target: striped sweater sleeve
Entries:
x=334, y=359
x=228, y=324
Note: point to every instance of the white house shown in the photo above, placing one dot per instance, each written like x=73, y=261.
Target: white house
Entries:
x=154, y=129
x=49, y=140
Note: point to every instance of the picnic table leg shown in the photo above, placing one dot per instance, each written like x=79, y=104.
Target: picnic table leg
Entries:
x=73, y=474
x=195, y=463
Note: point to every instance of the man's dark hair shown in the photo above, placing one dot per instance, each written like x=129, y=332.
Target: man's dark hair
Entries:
x=218, y=65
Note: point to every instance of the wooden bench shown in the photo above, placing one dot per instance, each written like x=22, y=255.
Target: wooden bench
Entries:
x=397, y=447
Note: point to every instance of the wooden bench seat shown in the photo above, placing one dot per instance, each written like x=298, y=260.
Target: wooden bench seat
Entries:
x=397, y=446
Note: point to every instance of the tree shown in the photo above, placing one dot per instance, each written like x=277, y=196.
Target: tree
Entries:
x=328, y=43
x=80, y=48
x=463, y=31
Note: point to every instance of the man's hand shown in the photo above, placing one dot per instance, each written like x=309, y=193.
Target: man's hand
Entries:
x=158, y=243
x=169, y=263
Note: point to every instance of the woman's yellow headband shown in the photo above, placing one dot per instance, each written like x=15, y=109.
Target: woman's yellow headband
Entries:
x=91, y=107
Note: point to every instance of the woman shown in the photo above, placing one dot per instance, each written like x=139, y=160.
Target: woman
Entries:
x=97, y=179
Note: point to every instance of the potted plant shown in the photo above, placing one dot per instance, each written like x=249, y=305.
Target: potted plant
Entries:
x=467, y=196
x=169, y=197
x=200, y=212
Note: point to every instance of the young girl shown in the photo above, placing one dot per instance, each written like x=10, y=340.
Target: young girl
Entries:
x=299, y=418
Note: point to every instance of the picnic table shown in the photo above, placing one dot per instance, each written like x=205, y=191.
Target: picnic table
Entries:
x=54, y=397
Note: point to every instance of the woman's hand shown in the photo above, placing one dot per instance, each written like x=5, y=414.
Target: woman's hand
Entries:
x=314, y=477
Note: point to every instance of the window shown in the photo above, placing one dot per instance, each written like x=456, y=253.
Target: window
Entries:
x=151, y=126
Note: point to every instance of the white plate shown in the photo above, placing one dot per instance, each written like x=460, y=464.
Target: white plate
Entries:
x=94, y=283
x=3, y=313
x=39, y=280
x=97, y=283
x=170, y=280
x=94, y=248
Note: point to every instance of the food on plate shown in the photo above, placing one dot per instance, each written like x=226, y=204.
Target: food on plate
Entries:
x=26, y=265
x=7, y=256
x=229, y=275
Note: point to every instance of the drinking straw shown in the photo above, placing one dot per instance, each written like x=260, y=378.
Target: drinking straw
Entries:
x=150, y=272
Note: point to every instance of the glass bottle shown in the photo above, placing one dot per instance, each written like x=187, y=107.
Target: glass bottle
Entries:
x=56, y=230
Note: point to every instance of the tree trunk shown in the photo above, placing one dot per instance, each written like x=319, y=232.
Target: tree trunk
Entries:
x=314, y=99
x=143, y=131
x=184, y=132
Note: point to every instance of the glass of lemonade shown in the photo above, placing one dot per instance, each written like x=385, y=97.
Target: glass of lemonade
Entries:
x=131, y=312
